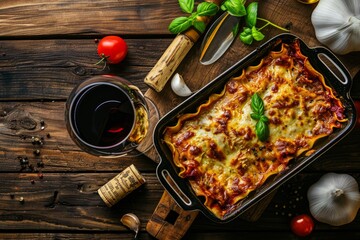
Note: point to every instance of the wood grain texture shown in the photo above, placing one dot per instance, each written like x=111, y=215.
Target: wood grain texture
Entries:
x=74, y=18
x=47, y=47
x=161, y=226
x=50, y=69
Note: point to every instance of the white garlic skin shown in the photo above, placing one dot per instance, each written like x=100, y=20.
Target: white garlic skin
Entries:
x=131, y=221
x=337, y=25
x=179, y=86
x=334, y=199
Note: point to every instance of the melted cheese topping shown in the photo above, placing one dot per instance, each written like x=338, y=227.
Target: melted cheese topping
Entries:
x=217, y=149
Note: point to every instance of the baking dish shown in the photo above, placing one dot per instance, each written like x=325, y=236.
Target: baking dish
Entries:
x=180, y=188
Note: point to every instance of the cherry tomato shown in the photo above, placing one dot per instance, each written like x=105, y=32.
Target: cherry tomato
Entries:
x=113, y=49
x=302, y=225
x=357, y=106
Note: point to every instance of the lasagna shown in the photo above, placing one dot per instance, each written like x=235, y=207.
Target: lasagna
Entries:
x=216, y=148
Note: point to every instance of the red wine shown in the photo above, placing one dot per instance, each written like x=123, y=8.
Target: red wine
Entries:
x=103, y=115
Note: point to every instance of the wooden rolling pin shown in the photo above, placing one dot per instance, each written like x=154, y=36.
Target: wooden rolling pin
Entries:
x=173, y=55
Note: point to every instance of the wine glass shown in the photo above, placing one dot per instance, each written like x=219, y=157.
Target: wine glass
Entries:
x=107, y=116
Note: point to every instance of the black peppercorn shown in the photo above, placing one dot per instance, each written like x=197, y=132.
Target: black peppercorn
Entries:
x=37, y=152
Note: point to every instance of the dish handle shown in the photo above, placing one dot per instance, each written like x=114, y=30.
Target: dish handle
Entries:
x=171, y=185
x=344, y=83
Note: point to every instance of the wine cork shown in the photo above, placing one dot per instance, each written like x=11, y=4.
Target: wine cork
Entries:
x=121, y=185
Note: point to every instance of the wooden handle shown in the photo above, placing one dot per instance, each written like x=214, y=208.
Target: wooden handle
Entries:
x=168, y=62
x=169, y=221
x=174, y=54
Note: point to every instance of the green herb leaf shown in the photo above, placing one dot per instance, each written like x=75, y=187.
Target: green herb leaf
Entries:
x=186, y=6
x=234, y=7
x=264, y=119
x=255, y=116
x=246, y=38
x=262, y=130
x=251, y=16
x=261, y=127
x=207, y=9
x=257, y=35
x=200, y=26
x=180, y=24
x=257, y=104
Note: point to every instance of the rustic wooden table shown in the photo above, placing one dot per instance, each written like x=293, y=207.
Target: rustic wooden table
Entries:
x=46, y=48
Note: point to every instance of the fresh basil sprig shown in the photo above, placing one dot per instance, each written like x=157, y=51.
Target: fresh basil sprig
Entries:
x=251, y=32
x=180, y=24
x=258, y=108
x=233, y=7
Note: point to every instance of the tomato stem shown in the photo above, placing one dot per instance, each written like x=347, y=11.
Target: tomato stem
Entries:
x=103, y=60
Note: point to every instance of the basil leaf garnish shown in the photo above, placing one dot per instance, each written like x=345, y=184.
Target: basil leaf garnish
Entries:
x=257, y=35
x=257, y=104
x=261, y=128
x=180, y=24
x=207, y=9
x=251, y=16
x=200, y=26
x=234, y=7
x=186, y=6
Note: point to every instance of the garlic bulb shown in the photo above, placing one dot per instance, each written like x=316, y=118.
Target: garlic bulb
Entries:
x=334, y=199
x=337, y=24
x=179, y=86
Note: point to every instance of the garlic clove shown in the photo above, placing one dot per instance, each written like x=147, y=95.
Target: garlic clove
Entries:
x=179, y=86
x=131, y=221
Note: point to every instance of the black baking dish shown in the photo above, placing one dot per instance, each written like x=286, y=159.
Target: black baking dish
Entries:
x=180, y=188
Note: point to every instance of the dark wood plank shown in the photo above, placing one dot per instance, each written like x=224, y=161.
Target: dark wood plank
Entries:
x=64, y=17
x=49, y=69
x=255, y=235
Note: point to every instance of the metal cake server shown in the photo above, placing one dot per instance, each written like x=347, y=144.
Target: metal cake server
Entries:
x=218, y=38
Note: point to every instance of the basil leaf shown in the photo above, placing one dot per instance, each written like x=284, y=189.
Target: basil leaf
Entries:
x=264, y=119
x=251, y=14
x=257, y=35
x=262, y=131
x=180, y=24
x=200, y=26
x=257, y=104
x=255, y=116
x=246, y=37
x=186, y=6
x=207, y=9
x=234, y=7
